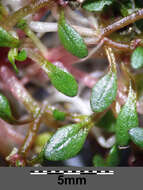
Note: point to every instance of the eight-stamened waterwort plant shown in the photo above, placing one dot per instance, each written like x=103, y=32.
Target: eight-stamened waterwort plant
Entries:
x=49, y=107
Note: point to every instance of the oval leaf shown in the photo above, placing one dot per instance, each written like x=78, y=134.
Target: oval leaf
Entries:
x=137, y=58
x=66, y=142
x=136, y=135
x=96, y=5
x=113, y=158
x=104, y=92
x=7, y=40
x=62, y=81
x=127, y=119
x=5, y=111
x=70, y=39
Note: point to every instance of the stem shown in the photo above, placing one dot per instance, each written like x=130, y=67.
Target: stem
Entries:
x=111, y=59
x=22, y=95
x=36, y=41
x=18, y=91
x=122, y=23
x=93, y=51
x=117, y=45
x=33, y=129
x=8, y=138
x=32, y=7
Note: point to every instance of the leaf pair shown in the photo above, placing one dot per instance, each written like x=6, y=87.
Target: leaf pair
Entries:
x=103, y=94
x=112, y=159
x=14, y=55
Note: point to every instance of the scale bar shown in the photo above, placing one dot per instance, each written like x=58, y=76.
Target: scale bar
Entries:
x=70, y=172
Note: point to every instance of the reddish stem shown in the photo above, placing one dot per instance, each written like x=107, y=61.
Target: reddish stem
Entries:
x=122, y=23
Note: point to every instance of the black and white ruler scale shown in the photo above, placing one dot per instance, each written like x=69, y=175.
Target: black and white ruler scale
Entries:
x=71, y=172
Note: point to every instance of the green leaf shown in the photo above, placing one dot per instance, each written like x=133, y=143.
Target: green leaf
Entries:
x=11, y=57
x=58, y=115
x=113, y=158
x=127, y=119
x=14, y=55
x=62, y=80
x=22, y=56
x=104, y=92
x=136, y=135
x=98, y=161
x=96, y=5
x=137, y=58
x=66, y=142
x=70, y=39
x=7, y=40
x=5, y=111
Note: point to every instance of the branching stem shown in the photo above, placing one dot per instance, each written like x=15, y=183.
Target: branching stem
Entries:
x=122, y=23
